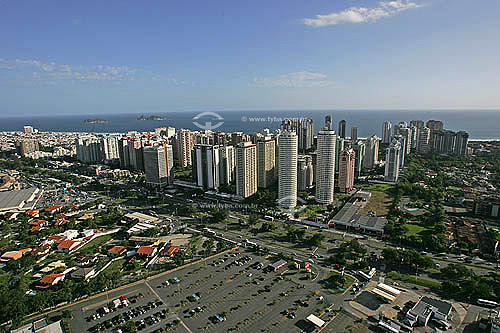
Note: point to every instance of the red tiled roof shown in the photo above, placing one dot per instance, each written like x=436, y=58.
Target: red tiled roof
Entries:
x=172, y=249
x=56, y=238
x=37, y=222
x=66, y=244
x=117, y=249
x=147, y=250
x=36, y=228
x=50, y=278
x=50, y=209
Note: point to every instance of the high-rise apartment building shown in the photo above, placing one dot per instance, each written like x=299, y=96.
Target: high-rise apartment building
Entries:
x=206, y=166
x=89, y=149
x=159, y=164
x=392, y=160
x=371, y=152
x=27, y=146
x=246, y=169
x=227, y=164
x=328, y=123
x=28, y=129
x=110, y=147
x=303, y=128
x=340, y=146
x=305, y=172
x=406, y=132
x=386, y=132
x=424, y=135
x=342, y=126
x=434, y=125
x=287, y=181
x=346, y=170
x=184, y=142
x=354, y=134
x=360, y=149
x=461, y=143
x=266, y=161
x=325, y=170
x=417, y=123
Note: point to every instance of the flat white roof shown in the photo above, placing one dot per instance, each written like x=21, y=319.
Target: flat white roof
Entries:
x=315, y=320
x=384, y=295
x=389, y=289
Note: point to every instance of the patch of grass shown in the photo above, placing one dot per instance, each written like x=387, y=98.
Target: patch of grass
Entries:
x=348, y=281
x=116, y=265
x=415, y=230
x=95, y=243
x=380, y=200
x=414, y=280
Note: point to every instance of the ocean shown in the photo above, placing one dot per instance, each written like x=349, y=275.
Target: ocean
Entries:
x=479, y=124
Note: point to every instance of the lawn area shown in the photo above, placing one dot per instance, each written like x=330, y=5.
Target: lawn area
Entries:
x=116, y=265
x=332, y=279
x=380, y=200
x=414, y=280
x=95, y=243
x=415, y=230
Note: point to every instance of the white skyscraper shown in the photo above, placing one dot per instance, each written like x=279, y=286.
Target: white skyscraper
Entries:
x=246, y=169
x=287, y=181
x=371, y=153
x=227, y=164
x=206, y=166
x=325, y=169
x=392, y=160
x=424, y=135
x=158, y=164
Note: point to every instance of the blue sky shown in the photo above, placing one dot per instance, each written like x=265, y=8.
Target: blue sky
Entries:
x=63, y=56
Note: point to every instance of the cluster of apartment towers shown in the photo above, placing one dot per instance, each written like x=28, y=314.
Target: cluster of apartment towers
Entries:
x=293, y=156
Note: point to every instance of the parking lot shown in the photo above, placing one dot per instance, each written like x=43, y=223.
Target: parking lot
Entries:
x=235, y=291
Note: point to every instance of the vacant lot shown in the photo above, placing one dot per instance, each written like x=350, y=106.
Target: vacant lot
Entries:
x=380, y=200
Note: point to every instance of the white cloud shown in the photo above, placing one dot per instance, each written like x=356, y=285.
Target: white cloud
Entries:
x=35, y=72
x=300, y=79
x=362, y=14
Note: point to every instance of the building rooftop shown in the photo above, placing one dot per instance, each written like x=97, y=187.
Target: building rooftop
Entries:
x=20, y=199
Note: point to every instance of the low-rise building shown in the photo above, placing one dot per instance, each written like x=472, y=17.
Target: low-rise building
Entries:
x=50, y=280
x=148, y=251
x=426, y=309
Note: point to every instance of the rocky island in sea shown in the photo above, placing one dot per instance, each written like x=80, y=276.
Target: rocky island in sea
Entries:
x=142, y=117
x=95, y=121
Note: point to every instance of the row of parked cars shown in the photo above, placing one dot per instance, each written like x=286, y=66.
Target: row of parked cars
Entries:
x=121, y=319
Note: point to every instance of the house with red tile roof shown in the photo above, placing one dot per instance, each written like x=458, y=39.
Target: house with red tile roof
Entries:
x=117, y=250
x=50, y=280
x=54, y=239
x=60, y=222
x=38, y=223
x=33, y=212
x=170, y=251
x=53, y=209
x=148, y=251
x=69, y=246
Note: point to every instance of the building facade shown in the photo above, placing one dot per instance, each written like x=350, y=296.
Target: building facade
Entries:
x=287, y=181
x=347, y=162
